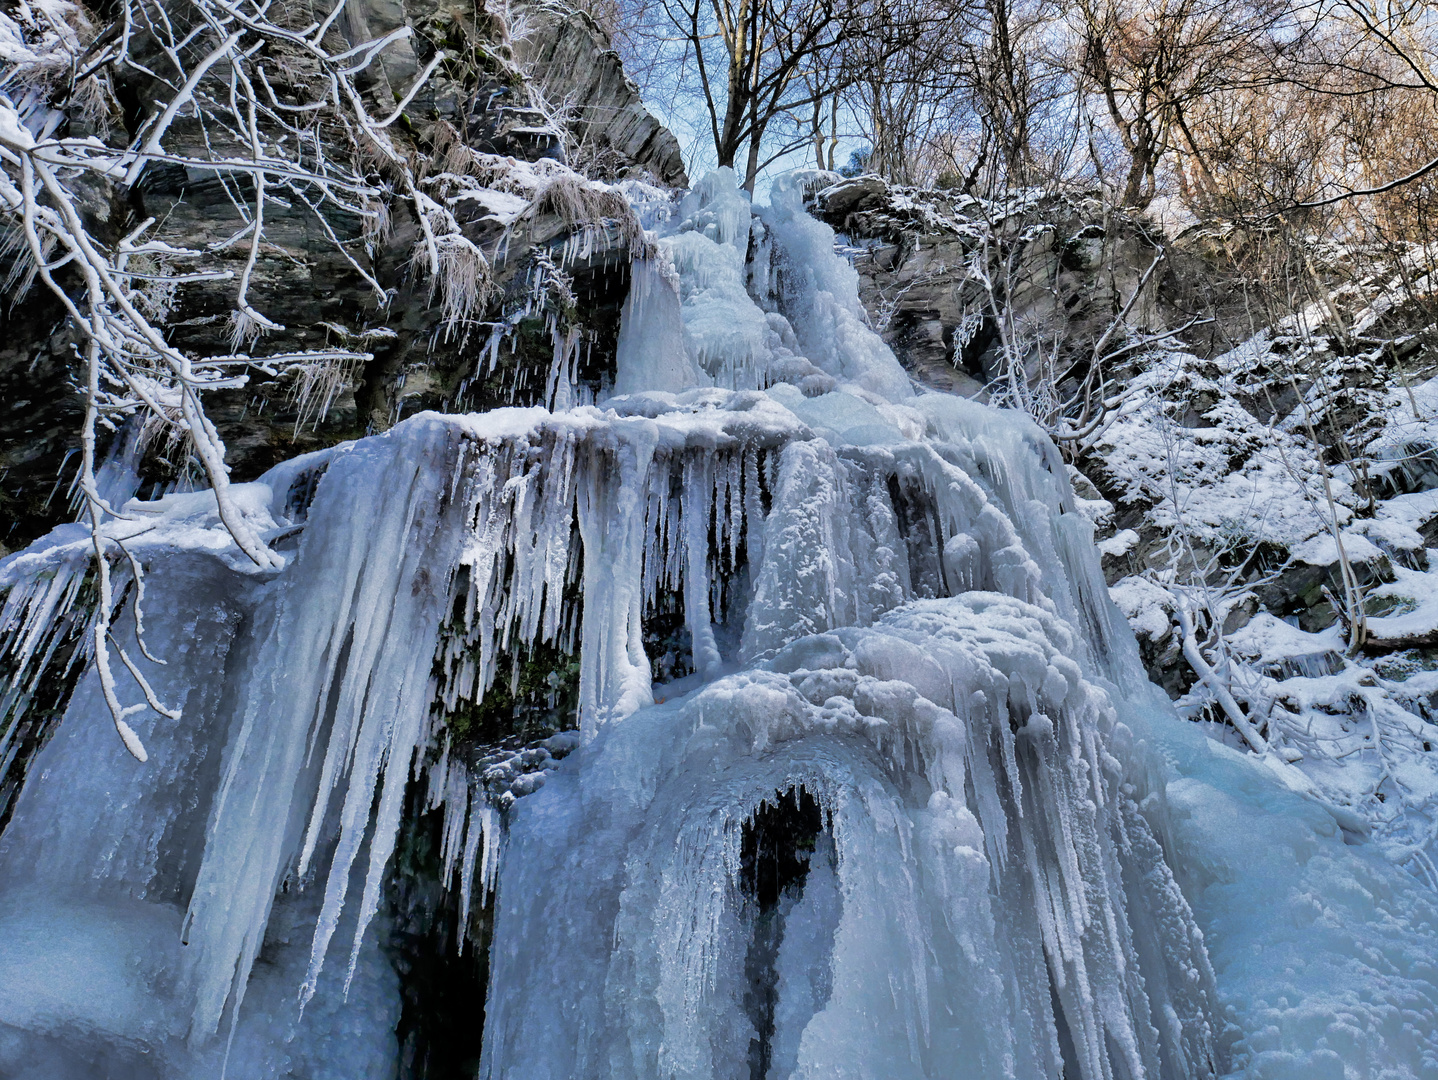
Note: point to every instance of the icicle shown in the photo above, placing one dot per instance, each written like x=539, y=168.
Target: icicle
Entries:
x=370, y=580
x=698, y=518
x=559, y=386
x=33, y=616
x=614, y=677
x=456, y=801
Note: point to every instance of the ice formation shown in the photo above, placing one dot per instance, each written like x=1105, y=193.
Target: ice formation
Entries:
x=905, y=806
x=961, y=847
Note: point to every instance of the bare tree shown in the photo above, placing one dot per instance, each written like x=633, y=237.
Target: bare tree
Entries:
x=1007, y=84
x=1151, y=64
x=763, y=69
x=894, y=93
x=980, y=99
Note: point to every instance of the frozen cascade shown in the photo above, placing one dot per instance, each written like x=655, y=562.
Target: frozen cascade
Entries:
x=898, y=801
x=968, y=847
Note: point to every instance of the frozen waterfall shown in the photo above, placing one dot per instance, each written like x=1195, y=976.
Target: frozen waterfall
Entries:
x=867, y=779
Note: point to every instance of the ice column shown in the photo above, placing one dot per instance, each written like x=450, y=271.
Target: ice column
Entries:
x=613, y=490
x=339, y=689
x=652, y=354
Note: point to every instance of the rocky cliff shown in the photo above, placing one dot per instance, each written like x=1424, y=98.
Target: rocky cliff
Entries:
x=514, y=132
x=947, y=276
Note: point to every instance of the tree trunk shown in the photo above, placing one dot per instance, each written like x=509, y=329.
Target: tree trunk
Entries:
x=756, y=137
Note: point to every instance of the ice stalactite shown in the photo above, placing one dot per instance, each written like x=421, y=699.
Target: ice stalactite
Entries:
x=42, y=621
x=614, y=673
x=337, y=689
x=101, y=854
x=472, y=798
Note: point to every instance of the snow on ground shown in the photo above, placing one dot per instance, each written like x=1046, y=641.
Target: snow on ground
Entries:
x=1235, y=513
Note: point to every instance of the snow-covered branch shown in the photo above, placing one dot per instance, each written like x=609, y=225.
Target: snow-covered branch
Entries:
x=277, y=116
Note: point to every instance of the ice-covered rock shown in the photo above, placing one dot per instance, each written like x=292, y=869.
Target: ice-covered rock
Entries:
x=983, y=891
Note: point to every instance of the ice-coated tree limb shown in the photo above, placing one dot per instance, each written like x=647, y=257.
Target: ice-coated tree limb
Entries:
x=216, y=74
x=1201, y=667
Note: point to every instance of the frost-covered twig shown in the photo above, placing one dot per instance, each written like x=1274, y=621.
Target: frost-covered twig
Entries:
x=267, y=133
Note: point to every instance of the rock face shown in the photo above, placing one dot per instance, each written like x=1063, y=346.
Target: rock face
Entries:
x=479, y=137
x=569, y=59
x=40, y=417
x=946, y=277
